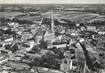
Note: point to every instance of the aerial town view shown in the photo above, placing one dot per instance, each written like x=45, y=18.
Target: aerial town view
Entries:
x=52, y=38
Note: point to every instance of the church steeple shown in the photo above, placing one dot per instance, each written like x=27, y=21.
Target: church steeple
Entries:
x=52, y=23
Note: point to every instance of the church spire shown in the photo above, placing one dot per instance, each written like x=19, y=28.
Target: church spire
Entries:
x=52, y=23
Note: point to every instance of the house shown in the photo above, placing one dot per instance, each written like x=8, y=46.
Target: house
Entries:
x=5, y=28
x=77, y=25
x=2, y=51
x=91, y=28
x=31, y=43
x=26, y=35
x=13, y=24
x=60, y=46
x=83, y=28
x=61, y=21
x=79, y=48
x=67, y=65
x=47, y=70
x=101, y=32
x=49, y=36
x=38, y=38
x=8, y=39
x=3, y=59
x=75, y=33
x=64, y=66
x=18, y=65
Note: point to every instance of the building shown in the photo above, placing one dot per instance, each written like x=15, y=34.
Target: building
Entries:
x=31, y=45
x=13, y=24
x=66, y=65
x=17, y=65
x=50, y=35
x=3, y=59
x=5, y=51
x=60, y=46
x=101, y=32
x=8, y=39
x=83, y=28
x=74, y=9
x=91, y=28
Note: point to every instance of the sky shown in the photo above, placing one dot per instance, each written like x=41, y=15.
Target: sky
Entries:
x=52, y=1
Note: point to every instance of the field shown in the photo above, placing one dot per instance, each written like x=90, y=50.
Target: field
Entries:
x=76, y=16
x=10, y=14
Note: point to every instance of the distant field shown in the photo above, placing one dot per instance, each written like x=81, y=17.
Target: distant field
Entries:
x=9, y=14
x=75, y=16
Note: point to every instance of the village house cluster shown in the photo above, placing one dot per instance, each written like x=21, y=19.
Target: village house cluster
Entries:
x=51, y=45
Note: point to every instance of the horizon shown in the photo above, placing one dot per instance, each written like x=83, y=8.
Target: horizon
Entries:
x=52, y=1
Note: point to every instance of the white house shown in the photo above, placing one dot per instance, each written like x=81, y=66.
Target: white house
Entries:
x=91, y=28
x=101, y=32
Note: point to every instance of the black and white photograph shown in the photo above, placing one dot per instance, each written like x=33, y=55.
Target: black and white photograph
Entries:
x=52, y=36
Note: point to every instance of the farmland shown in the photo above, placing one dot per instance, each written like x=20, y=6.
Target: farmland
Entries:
x=75, y=16
x=10, y=14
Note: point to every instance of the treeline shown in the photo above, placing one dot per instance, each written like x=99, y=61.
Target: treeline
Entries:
x=98, y=23
x=22, y=9
x=6, y=20
x=98, y=11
